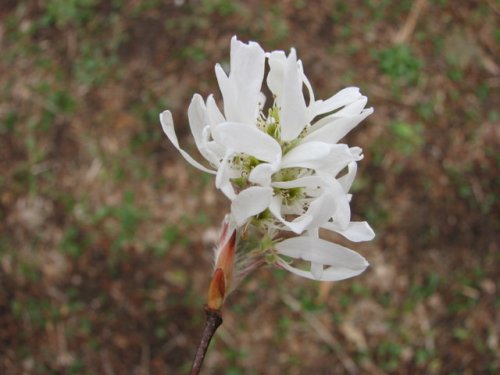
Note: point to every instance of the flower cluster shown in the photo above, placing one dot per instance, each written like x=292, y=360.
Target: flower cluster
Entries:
x=281, y=163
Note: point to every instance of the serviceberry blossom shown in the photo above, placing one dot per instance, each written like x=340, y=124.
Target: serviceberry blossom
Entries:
x=281, y=164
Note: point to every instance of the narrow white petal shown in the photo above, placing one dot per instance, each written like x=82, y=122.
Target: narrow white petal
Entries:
x=196, y=117
x=297, y=226
x=210, y=150
x=320, y=156
x=329, y=274
x=329, y=200
x=342, y=213
x=276, y=75
x=293, y=115
x=262, y=101
x=356, y=152
x=339, y=157
x=213, y=112
x=249, y=140
x=228, y=91
x=337, y=274
x=247, y=65
x=356, y=231
x=250, y=202
x=333, y=131
x=321, y=210
x=305, y=274
x=222, y=179
x=354, y=108
x=261, y=174
x=167, y=124
x=340, y=99
x=306, y=155
x=317, y=270
x=241, y=89
x=218, y=150
x=299, y=182
x=346, y=180
x=314, y=249
x=308, y=86
x=312, y=183
x=198, y=122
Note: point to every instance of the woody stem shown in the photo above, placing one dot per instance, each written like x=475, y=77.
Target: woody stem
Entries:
x=212, y=322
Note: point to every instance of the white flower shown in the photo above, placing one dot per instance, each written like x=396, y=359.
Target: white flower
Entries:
x=282, y=166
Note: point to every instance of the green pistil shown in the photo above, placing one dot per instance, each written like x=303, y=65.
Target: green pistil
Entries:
x=264, y=216
x=270, y=258
x=290, y=195
x=240, y=182
x=250, y=163
x=287, y=146
x=287, y=174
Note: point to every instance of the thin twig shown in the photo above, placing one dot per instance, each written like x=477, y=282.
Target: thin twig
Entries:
x=213, y=321
x=404, y=34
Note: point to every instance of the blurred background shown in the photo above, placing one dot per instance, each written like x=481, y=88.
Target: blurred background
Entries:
x=106, y=232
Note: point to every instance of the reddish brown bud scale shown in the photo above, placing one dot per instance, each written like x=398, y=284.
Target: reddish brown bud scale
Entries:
x=225, y=261
x=216, y=290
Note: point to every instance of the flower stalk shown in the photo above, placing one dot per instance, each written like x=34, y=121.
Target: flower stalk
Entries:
x=212, y=322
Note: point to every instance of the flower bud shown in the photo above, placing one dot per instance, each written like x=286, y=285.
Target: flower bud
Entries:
x=216, y=290
x=224, y=264
x=225, y=259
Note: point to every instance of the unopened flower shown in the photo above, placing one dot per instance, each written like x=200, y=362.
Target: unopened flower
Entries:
x=281, y=165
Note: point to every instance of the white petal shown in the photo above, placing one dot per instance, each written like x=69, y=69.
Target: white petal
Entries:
x=335, y=130
x=314, y=249
x=210, y=150
x=308, y=86
x=276, y=75
x=354, y=108
x=356, y=231
x=262, y=101
x=196, y=117
x=213, y=112
x=297, y=226
x=320, y=156
x=167, y=124
x=317, y=270
x=346, y=180
x=339, y=157
x=306, y=155
x=223, y=178
x=241, y=90
x=333, y=202
x=357, y=152
x=228, y=91
x=249, y=140
x=341, y=262
x=340, y=99
x=261, y=174
x=250, y=202
x=307, y=181
x=293, y=115
x=314, y=185
x=321, y=210
x=342, y=213
x=328, y=274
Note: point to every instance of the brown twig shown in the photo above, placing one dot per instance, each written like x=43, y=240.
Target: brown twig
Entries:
x=213, y=321
x=404, y=34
